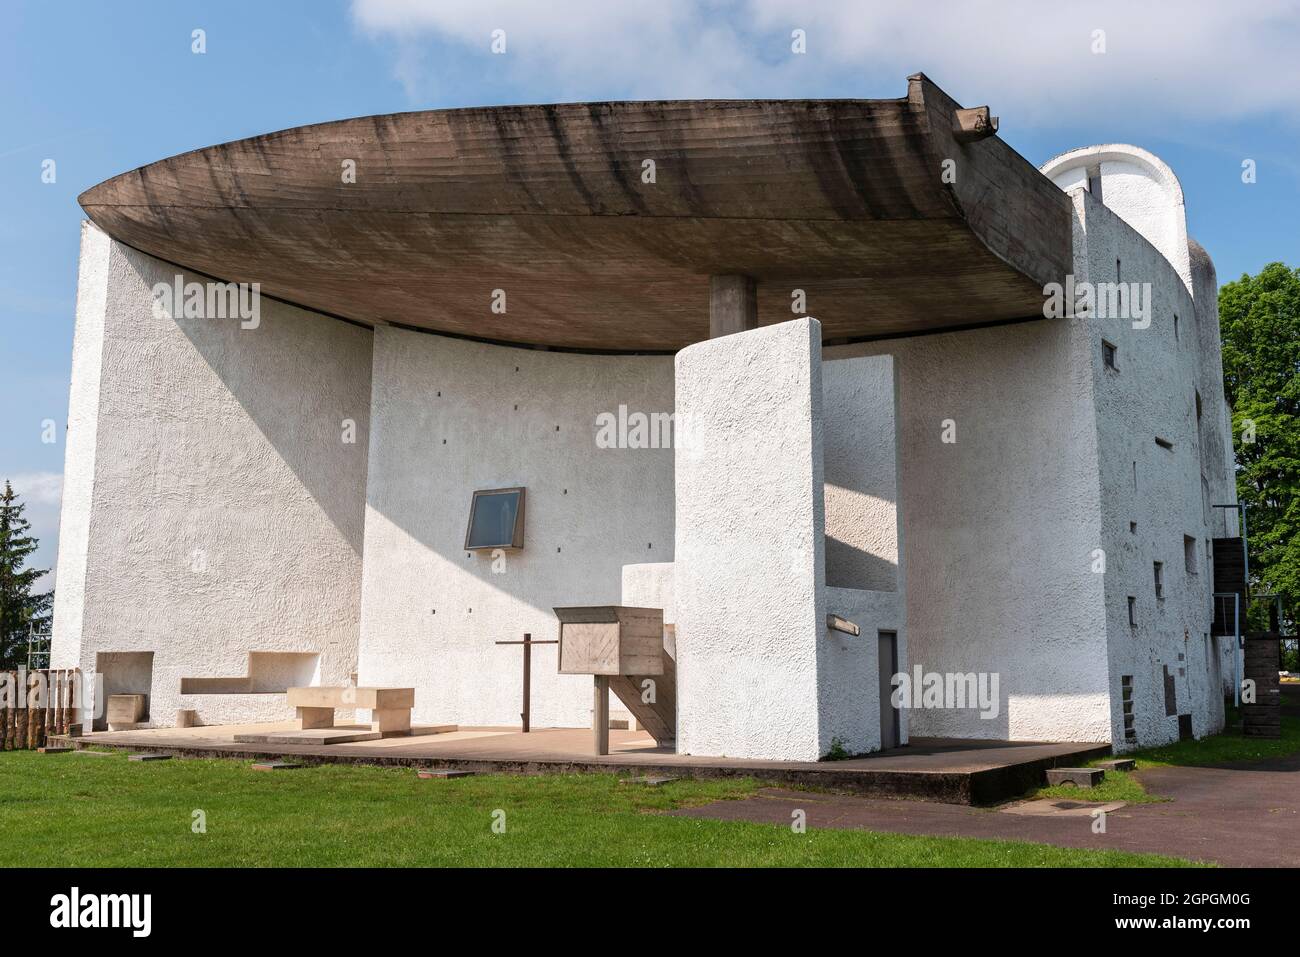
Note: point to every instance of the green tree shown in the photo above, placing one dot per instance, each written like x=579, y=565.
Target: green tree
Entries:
x=19, y=608
x=1259, y=317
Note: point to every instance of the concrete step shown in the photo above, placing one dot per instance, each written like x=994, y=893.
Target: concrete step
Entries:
x=1078, y=777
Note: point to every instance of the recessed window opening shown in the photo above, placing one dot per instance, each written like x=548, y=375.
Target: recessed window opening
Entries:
x=496, y=519
x=1160, y=579
x=1110, y=355
x=1132, y=611
x=1094, y=181
x=1189, y=555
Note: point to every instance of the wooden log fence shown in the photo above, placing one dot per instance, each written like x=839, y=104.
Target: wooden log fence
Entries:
x=37, y=705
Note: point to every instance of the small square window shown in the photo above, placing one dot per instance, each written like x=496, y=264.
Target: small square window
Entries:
x=496, y=519
x=1160, y=579
x=1109, y=355
x=1133, y=528
x=1132, y=611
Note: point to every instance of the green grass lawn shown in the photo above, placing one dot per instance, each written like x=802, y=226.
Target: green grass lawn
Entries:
x=74, y=810
x=1229, y=747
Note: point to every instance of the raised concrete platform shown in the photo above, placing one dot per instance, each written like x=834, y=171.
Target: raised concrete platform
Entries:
x=339, y=734
x=937, y=769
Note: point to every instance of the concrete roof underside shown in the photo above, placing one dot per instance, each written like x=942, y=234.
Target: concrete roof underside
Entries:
x=844, y=199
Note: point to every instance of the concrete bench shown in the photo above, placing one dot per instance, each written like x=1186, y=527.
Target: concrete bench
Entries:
x=390, y=708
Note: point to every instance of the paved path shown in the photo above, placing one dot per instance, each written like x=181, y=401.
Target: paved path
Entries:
x=1237, y=816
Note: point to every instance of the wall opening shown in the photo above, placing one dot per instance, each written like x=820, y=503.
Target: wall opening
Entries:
x=269, y=672
x=1189, y=555
x=890, y=723
x=123, y=672
x=1126, y=694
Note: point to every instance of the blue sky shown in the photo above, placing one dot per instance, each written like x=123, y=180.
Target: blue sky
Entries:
x=101, y=88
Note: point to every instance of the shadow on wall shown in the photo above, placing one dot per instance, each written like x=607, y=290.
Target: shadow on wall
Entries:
x=453, y=417
x=852, y=566
x=270, y=370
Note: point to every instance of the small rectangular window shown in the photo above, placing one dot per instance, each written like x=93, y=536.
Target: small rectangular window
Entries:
x=1175, y=327
x=1160, y=579
x=1164, y=444
x=1109, y=355
x=1132, y=611
x=496, y=519
x=1189, y=555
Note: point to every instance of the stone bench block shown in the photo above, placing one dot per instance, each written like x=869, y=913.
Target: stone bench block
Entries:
x=1079, y=777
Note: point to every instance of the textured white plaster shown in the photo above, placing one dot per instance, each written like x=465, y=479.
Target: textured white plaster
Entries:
x=224, y=514
x=749, y=571
x=865, y=584
x=861, y=461
x=849, y=685
x=1153, y=394
x=452, y=416
x=1139, y=187
x=79, y=450
x=650, y=585
x=999, y=527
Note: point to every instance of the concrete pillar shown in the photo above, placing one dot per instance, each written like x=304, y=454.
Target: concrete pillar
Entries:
x=733, y=305
x=600, y=714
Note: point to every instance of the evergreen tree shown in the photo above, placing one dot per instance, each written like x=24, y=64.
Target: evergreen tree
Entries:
x=19, y=608
x=1259, y=317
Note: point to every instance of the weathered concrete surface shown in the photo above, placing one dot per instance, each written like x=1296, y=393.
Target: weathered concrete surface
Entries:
x=555, y=205
x=1242, y=816
x=963, y=772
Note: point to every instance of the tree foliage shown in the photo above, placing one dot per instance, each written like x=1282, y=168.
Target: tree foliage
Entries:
x=1259, y=317
x=19, y=607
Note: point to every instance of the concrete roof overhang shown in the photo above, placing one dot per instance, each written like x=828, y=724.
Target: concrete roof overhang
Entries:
x=845, y=199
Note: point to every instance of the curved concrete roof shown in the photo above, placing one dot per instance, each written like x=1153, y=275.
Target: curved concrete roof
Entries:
x=844, y=199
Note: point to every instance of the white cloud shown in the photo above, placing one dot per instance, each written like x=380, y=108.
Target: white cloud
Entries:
x=37, y=488
x=1030, y=60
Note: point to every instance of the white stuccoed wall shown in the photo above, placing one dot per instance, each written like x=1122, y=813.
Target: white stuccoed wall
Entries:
x=999, y=526
x=865, y=583
x=760, y=673
x=749, y=572
x=194, y=435
x=451, y=416
x=860, y=399
x=1153, y=393
x=1002, y=526
x=1139, y=188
